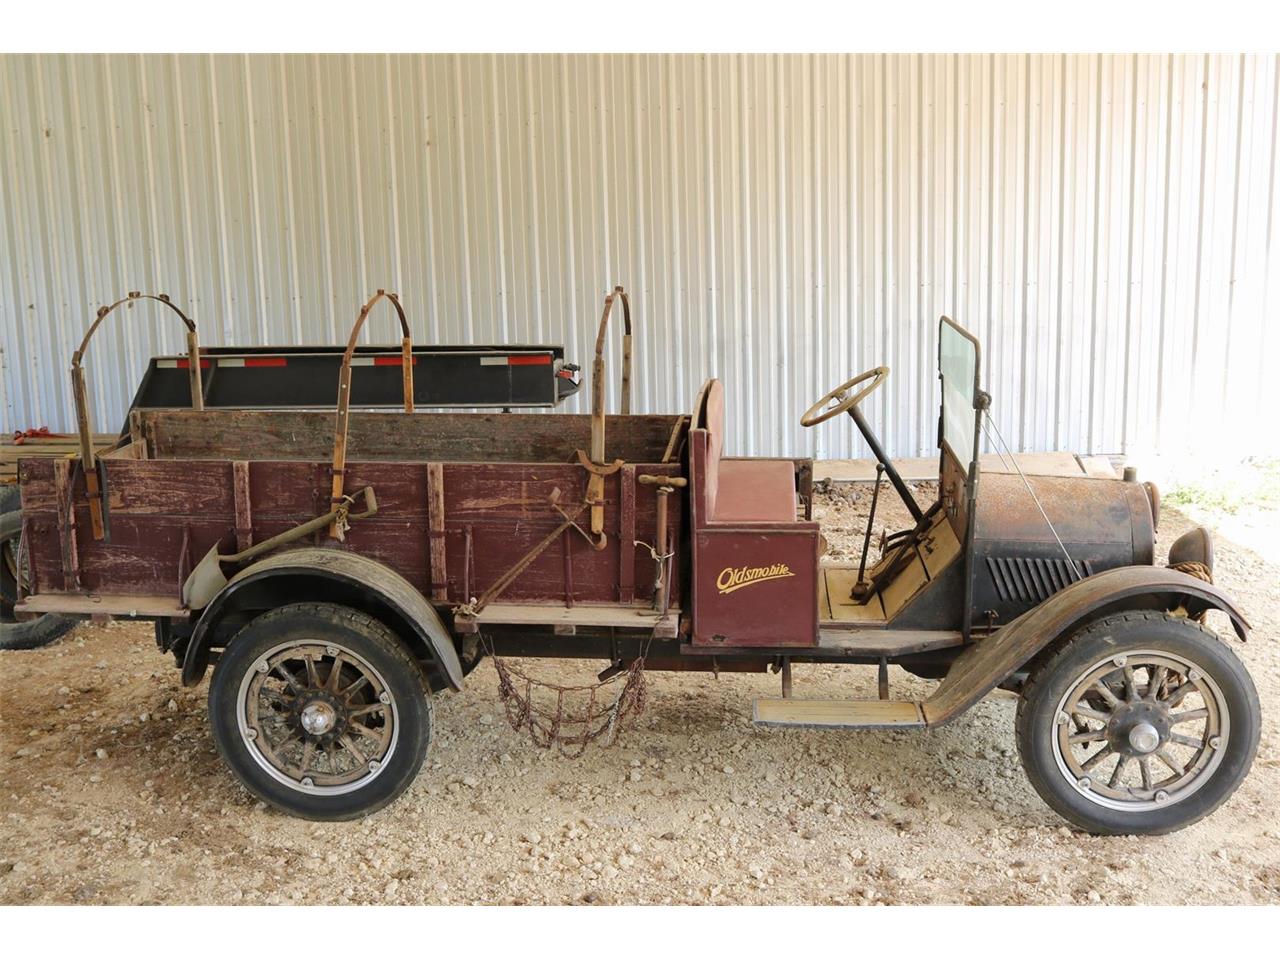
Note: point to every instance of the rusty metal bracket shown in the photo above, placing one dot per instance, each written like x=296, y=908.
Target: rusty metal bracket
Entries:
x=472, y=608
x=80, y=394
x=599, y=469
x=597, y=544
x=595, y=494
x=344, y=393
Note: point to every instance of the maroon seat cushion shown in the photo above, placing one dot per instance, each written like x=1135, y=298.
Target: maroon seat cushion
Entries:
x=754, y=490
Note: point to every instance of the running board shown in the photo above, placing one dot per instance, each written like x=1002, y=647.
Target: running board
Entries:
x=838, y=714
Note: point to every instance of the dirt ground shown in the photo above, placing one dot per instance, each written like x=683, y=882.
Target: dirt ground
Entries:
x=112, y=793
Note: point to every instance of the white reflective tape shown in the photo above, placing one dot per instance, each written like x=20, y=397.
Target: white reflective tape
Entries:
x=167, y=364
x=231, y=361
x=362, y=361
x=493, y=361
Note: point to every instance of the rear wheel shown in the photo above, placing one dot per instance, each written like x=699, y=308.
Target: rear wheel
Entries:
x=320, y=711
x=1141, y=724
x=18, y=634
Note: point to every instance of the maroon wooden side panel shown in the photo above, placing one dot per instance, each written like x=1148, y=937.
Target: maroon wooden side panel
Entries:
x=756, y=586
x=40, y=509
x=495, y=513
x=164, y=515
x=152, y=507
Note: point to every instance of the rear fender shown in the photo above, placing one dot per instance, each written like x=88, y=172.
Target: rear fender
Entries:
x=319, y=574
x=991, y=661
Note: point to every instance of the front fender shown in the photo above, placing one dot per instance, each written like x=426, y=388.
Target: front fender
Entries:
x=317, y=573
x=987, y=663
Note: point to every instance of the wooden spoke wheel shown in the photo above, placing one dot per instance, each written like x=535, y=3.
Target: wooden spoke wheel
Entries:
x=1141, y=729
x=1142, y=722
x=318, y=716
x=320, y=710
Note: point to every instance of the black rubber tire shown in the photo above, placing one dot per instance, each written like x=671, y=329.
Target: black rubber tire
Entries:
x=20, y=634
x=33, y=634
x=1139, y=630
x=365, y=636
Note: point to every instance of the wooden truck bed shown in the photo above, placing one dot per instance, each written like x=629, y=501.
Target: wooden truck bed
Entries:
x=461, y=497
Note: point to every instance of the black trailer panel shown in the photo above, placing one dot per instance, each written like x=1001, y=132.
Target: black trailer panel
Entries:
x=302, y=377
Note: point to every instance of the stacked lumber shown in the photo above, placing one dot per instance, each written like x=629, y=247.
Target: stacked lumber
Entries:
x=44, y=445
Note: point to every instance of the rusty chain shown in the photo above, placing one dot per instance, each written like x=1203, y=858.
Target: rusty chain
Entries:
x=596, y=721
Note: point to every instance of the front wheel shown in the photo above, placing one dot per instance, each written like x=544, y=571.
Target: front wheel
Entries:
x=320, y=711
x=1142, y=723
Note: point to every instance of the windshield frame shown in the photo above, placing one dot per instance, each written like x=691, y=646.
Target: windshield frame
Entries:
x=969, y=466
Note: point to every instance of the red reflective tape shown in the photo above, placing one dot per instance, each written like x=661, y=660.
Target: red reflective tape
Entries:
x=530, y=360
x=393, y=361
x=185, y=364
x=265, y=362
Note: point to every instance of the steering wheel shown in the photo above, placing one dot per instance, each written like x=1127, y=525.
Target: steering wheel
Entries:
x=840, y=399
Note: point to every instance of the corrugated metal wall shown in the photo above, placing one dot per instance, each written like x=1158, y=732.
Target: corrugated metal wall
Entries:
x=1106, y=224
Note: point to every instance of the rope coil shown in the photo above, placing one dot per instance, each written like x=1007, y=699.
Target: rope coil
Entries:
x=1193, y=568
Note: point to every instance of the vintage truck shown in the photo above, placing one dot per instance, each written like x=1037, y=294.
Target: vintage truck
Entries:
x=337, y=571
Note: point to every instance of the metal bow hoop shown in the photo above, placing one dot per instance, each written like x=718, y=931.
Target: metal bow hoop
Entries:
x=81, y=395
x=596, y=465
x=820, y=412
x=344, y=393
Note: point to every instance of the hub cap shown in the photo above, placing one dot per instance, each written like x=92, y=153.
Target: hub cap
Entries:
x=317, y=717
x=1140, y=730
x=1143, y=737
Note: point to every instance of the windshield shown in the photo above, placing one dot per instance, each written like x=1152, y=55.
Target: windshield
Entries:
x=958, y=369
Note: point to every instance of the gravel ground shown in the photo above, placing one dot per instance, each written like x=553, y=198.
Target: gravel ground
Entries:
x=112, y=793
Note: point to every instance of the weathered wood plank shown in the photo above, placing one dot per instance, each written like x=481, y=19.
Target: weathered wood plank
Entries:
x=66, y=525
x=435, y=511
x=38, y=492
x=581, y=615
x=169, y=488
x=243, y=508
x=299, y=490
x=143, y=554
x=122, y=605
x=449, y=437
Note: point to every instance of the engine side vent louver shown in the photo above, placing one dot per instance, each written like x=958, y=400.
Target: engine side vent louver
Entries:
x=1032, y=579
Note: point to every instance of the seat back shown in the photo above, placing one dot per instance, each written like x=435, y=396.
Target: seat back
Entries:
x=706, y=445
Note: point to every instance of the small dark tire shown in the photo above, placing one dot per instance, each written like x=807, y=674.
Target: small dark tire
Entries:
x=320, y=744
x=18, y=634
x=1141, y=723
